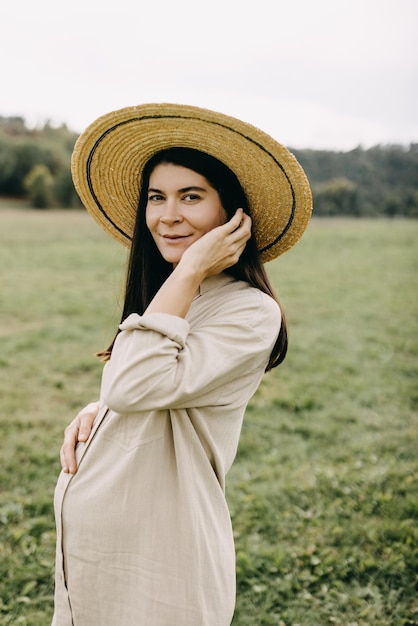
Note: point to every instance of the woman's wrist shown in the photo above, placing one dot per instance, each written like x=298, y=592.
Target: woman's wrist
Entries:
x=176, y=294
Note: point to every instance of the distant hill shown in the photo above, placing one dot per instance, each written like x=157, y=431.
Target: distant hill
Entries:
x=382, y=180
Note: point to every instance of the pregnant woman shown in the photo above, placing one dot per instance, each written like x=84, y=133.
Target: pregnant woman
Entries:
x=202, y=200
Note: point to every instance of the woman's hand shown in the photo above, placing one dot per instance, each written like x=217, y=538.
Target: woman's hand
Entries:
x=78, y=430
x=211, y=254
x=221, y=247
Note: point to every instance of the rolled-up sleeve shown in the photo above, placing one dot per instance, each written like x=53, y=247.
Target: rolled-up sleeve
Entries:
x=160, y=362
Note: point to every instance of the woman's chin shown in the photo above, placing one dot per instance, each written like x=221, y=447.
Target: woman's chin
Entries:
x=173, y=257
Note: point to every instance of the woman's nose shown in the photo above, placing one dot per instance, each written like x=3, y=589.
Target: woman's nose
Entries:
x=171, y=213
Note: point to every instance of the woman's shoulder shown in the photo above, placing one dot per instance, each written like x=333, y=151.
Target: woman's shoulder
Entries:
x=225, y=296
x=258, y=304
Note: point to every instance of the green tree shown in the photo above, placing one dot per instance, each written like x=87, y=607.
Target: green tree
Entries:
x=64, y=190
x=337, y=196
x=39, y=184
x=411, y=204
x=7, y=160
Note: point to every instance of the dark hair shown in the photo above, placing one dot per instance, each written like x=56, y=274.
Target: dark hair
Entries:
x=147, y=270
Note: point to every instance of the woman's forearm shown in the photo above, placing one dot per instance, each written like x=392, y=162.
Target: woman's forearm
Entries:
x=176, y=294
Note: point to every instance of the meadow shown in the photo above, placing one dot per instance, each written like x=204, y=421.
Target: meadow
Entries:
x=324, y=490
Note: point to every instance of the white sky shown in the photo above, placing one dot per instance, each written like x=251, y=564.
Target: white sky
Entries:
x=313, y=73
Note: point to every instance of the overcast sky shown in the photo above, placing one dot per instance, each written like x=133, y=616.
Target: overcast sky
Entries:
x=313, y=73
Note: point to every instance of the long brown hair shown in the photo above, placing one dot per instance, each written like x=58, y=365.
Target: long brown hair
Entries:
x=147, y=270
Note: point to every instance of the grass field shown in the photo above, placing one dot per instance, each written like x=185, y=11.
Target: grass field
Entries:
x=324, y=490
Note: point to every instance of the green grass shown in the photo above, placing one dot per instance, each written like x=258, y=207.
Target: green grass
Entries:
x=324, y=490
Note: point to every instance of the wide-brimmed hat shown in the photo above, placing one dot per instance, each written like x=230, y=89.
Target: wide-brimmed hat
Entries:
x=109, y=157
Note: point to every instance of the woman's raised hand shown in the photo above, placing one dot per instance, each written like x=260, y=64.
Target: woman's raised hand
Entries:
x=221, y=247
x=211, y=254
x=78, y=430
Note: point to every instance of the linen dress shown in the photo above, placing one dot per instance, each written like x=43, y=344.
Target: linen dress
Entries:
x=144, y=534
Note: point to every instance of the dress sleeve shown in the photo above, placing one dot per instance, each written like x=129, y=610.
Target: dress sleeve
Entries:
x=159, y=362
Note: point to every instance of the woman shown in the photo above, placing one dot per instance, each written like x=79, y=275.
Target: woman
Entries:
x=143, y=529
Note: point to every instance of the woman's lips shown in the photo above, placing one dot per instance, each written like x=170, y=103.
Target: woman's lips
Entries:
x=174, y=238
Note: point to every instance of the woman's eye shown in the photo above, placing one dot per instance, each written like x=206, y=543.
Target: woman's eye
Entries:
x=155, y=197
x=190, y=197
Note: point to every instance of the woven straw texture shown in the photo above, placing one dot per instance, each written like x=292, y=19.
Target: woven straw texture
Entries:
x=109, y=156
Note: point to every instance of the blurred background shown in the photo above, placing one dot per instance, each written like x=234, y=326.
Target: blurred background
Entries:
x=323, y=493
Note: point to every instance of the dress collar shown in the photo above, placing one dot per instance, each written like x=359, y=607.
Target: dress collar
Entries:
x=213, y=282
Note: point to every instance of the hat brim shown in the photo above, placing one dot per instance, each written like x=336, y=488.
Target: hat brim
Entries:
x=109, y=157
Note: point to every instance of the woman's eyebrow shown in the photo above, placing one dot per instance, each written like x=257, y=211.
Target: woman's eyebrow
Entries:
x=192, y=188
x=182, y=190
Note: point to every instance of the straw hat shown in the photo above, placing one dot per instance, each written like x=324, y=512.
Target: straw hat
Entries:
x=109, y=156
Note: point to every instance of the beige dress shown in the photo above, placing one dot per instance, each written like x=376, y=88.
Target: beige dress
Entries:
x=144, y=534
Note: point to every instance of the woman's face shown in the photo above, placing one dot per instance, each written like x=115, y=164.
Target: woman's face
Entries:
x=182, y=206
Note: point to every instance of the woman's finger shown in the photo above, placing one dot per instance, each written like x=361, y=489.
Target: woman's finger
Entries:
x=67, y=452
x=86, y=418
x=78, y=430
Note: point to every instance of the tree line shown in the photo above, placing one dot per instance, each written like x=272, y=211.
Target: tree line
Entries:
x=35, y=163
x=382, y=180
x=379, y=181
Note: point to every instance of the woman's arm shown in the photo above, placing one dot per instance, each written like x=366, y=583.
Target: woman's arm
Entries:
x=161, y=361
x=78, y=430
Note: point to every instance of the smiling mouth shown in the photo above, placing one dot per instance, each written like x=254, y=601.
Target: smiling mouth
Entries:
x=174, y=237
